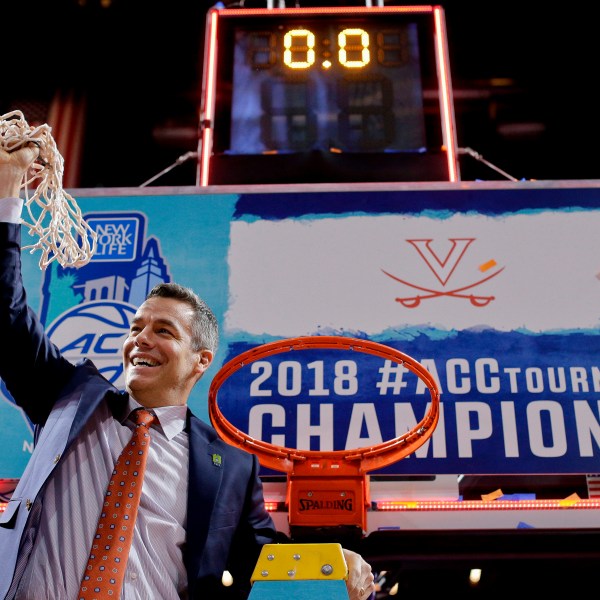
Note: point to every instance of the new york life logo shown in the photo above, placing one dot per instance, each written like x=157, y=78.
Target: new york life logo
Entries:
x=443, y=266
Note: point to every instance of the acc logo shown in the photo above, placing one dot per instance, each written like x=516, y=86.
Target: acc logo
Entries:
x=95, y=330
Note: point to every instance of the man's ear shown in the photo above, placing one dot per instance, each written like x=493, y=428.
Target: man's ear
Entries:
x=205, y=358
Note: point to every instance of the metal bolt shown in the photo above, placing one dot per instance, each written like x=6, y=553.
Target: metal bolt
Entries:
x=264, y=573
x=270, y=556
x=327, y=569
x=296, y=557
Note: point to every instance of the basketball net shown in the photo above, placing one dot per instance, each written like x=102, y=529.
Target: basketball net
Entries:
x=52, y=213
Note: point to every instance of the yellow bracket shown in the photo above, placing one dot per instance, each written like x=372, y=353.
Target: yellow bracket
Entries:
x=297, y=562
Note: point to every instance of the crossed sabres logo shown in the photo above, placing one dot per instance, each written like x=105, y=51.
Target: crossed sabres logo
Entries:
x=443, y=268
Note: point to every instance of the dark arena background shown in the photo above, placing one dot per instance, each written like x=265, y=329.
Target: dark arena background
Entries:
x=522, y=75
x=121, y=81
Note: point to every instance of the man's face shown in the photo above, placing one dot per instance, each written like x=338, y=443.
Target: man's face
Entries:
x=161, y=367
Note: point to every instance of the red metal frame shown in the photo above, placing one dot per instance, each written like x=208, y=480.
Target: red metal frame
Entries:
x=211, y=57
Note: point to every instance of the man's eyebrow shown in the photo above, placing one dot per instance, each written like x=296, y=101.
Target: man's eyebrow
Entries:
x=169, y=322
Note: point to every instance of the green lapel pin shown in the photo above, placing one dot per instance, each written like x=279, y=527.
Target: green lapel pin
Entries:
x=217, y=460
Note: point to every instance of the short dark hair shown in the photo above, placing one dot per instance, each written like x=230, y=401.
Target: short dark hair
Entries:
x=205, y=328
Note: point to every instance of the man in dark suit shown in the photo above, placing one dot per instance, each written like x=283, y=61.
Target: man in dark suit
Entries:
x=202, y=510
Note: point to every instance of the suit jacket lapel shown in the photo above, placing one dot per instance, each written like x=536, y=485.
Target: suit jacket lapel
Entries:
x=204, y=481
x=95, y=388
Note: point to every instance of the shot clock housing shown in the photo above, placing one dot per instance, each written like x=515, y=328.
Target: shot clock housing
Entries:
x=326, y=94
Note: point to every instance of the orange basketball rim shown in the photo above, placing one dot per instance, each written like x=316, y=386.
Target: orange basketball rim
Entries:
x=327, y=488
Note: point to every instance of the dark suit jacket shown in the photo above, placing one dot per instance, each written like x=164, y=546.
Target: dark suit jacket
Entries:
x=226, y=519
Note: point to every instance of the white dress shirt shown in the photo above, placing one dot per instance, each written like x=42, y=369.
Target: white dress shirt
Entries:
x=74, y=497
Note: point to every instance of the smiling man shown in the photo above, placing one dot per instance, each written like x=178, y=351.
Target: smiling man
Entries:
x=197, y=516
x=159, y=368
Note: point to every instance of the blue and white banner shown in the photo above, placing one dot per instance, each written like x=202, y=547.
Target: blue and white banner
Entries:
x=496, y=292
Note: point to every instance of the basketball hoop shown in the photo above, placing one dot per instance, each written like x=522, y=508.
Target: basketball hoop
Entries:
x=54, y=216
x=326, y=475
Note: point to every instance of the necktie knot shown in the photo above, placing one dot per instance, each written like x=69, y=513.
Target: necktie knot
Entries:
x=143, y=417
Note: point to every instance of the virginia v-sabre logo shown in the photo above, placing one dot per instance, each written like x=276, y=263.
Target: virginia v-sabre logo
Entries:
x=443, y=267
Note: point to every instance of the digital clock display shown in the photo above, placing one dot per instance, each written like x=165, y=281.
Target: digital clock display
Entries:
x=328, y=94
x=313, y=85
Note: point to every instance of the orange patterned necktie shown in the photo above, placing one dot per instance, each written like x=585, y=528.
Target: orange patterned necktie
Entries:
x=104, y=573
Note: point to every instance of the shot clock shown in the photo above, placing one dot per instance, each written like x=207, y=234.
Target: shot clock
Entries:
x=320, y=86
x=326, y=94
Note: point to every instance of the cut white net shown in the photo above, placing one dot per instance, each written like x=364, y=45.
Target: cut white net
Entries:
x=54, y=216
